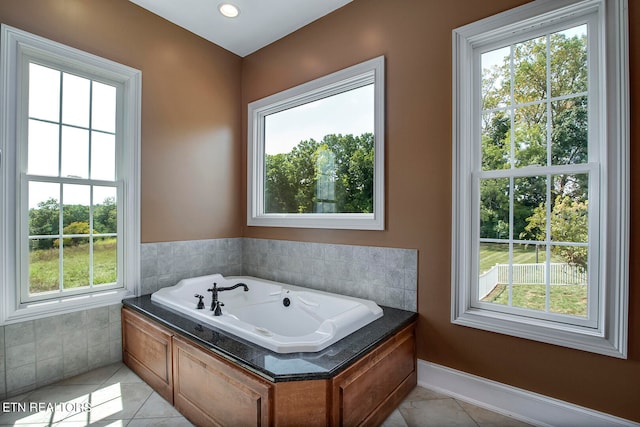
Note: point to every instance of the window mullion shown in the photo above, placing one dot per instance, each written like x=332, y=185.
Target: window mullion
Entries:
x=511, y=223
x=61, y=239
x=91, y=236
x=547, y=270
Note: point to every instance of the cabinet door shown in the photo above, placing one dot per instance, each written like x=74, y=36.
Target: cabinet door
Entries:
x=210, y=391
x=146, y=349
x=368, y=391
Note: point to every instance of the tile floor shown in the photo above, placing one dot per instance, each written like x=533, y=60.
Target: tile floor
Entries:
x=118, y=397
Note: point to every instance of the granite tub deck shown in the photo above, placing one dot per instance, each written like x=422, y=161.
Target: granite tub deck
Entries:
x=278, y=367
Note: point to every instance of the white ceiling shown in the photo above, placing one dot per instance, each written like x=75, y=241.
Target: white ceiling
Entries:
x=260, y=22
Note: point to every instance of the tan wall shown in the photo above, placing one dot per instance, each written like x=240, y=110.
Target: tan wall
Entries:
x=415, y=37
x=190, y=109
x=193, y=170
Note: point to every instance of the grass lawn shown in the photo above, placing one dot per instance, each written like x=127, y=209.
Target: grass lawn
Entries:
x=44, y=265
x=563, y=299
x=498, y=253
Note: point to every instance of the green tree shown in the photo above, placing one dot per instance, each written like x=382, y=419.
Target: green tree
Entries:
x=568, y=224
x=333, y=175
x=523, y=129
x=44, y=220
x=80, y=227
x=105, y=216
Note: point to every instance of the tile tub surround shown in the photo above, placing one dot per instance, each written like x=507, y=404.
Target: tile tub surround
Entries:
x=388, y=276
x=39, y=352
x=166, y=263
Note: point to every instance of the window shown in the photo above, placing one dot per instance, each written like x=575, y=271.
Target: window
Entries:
x=316, y=153
x=540, y=176
x=69, y=176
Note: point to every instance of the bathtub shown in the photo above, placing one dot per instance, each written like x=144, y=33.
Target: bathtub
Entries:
x=282, y=318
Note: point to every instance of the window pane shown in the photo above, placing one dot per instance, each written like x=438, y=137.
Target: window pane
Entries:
x=530, y=208
x=76, y=263
x=44, y=212
x=105, y=259
x=496, y=140
x=494, y=208
x=103, y=156
x=44, y=265
x=529, y=68
x=529, y=277
x=530, y=135
x=75, y=152
x=103, y=107
x=569, y=61
x=569, y=215
x=319, y=157
x=75, y=208
x=569, y=280
x=569, y=144
x=105, y=210
x=494, y=273
x=495, y=73
x=75, y=100
x=43, y=148
x=44, y=93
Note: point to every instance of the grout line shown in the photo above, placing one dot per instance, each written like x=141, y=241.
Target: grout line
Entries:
x=143, y=403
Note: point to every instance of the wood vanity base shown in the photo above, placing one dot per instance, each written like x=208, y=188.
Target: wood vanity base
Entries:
x=210, y=390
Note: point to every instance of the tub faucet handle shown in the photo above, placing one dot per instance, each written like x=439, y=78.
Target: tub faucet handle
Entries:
x=200, y=303
x=215, y=303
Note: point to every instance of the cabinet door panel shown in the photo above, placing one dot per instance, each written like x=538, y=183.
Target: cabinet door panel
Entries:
x=146, y=349
x=211, y=391
x=367, y=392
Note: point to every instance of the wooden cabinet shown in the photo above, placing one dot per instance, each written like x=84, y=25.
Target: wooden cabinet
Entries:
x=212, y=391
x=368, y=391
x=147, y=350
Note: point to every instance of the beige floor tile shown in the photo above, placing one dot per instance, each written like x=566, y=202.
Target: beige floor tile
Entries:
x=124, y=375
x=96, y=376
x=157, y=407
x=420, y=393
x=118, y=401
x=49, y=404
x=105, y=423
x=395, y=420
x=159, y=422
x=486, y=418
x=436, y=413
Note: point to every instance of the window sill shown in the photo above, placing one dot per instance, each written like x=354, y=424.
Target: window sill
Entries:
x=42, y=309
x=327, y=221
x=580, y=338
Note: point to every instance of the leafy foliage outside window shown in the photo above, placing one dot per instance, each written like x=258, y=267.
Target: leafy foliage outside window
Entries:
x=332, y=175
x=44, y=220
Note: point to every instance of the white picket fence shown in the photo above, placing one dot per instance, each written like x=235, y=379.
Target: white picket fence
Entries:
x=531, y=274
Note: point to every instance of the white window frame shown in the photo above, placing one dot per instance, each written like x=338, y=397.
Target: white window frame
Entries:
x=17, y=49
x=371, y=71
x=608, y=333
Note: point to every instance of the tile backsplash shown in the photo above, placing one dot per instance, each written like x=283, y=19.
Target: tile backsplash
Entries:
x=39, y=352
x=165, y=264
x=387, y=276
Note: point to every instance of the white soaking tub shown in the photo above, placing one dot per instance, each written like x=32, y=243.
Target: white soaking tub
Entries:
x=282, y=318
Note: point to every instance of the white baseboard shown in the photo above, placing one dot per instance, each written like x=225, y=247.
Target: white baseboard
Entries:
x=521, y=404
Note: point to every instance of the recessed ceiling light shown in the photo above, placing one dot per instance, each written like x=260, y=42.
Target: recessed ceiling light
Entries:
x=229, y=10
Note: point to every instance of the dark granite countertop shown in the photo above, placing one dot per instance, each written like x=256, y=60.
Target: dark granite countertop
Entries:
x=273, y=366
